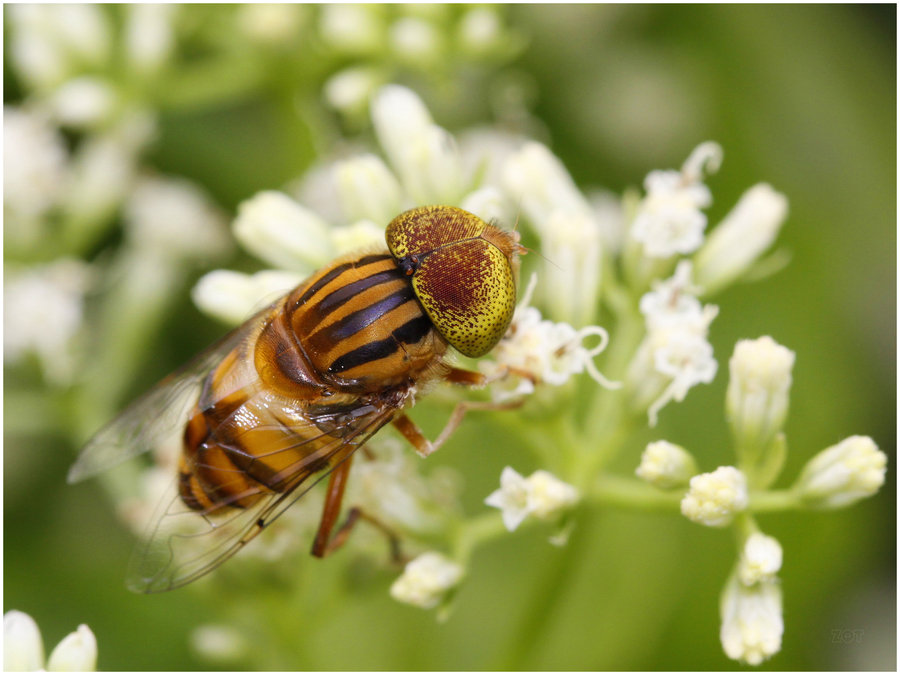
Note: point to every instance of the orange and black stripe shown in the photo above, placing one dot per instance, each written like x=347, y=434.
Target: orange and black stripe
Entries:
x=360, y=321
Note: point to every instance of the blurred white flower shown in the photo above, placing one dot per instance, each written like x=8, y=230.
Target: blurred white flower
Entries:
x=415, y=40
x=480, y=30
x=43, y=311
x=271, y=23
x=424, y=155
x=149, y=35
x=175, y=217
x=349, y=90
x=367, y=189
x=760, y=559
x=283, y=233
x=23, y=649
x=51, y=42
x=541, y=495
x=742, y=236
x=34, y=169
x=391, y=487
x=353, y=29
x=568, y=228
x=218, y=643
x=233, y=297
x=843, y=474
x=666, y=465
x=83, y=102
x=714, y=498
x=426, y=580
x=669, y=220
x=752, y=623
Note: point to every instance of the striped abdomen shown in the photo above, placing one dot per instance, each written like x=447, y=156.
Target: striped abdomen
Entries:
x=355, y=325
x=335, y=359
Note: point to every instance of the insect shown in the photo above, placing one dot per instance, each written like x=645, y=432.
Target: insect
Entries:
x=289, y=396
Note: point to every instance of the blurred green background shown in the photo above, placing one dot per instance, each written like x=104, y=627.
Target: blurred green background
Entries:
x=802, y=97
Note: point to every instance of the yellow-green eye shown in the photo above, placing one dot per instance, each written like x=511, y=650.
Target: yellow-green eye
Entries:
x=463, y=273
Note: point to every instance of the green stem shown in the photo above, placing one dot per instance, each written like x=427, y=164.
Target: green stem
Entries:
x=633, y=494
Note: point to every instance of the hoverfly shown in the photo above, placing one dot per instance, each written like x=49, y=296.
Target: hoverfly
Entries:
x=289, y=396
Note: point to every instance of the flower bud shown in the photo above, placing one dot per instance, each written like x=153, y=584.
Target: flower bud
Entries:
x=367, y=189
x=541, y=495
x=23, y=649
x=760, y=559
x=426, y=580
x=277, y=229
x=666, y=465
x=756, y=403
x=77, y=652
x=714, y=498
x=752, y=622
x=843, y=474
x=738, y=241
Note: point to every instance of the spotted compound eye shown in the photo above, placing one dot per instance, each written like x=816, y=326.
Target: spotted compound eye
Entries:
x=463, y=273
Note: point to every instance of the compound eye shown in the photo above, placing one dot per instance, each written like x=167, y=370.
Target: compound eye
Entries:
x=464, y=279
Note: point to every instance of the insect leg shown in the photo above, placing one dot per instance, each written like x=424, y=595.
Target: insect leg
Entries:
x=324, y=544
x=332, y=509
x=423, y=446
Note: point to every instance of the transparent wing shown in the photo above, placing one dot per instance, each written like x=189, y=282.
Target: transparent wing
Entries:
x=182, y=545
x=153, y=416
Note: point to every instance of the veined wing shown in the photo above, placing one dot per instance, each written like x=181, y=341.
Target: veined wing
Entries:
x=160, y=411
x=183, y=545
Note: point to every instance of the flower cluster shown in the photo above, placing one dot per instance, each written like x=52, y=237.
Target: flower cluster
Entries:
x=756, y=409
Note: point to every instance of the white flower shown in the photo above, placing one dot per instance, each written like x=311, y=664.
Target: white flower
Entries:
x=104, y=167
x=480, y=30
x=83, y=101
x=666, y=465
x=423, y=154
x=349, y=90
x=367, y=189
x=669, y=220
x=23, y=649
x=271, y=23
x=675, y=355
x=426, y=580
x=363, y=234
x=756, y=402
x=415, y=40
x=233, y=297
x=760, y=559
x=77, y=652
x=219, y=643
x=354, y=29
x=738, y=241
x=149, y=36
x=714, y=498
x=541, y=495
x=34, y=168
x=285, y=234
x=567, y=225
x=752, y=623
x=43, y=311
x=175, y=217
x=50, y=42
x=536, y=350
x=843, y=474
